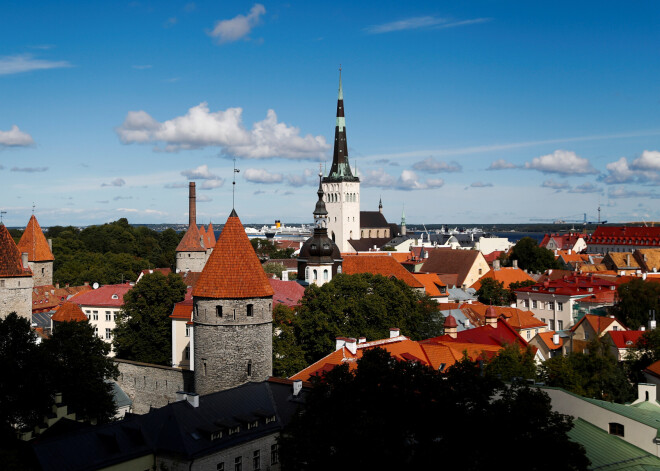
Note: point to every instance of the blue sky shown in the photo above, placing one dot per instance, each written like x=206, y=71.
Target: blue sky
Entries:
x=472, y=112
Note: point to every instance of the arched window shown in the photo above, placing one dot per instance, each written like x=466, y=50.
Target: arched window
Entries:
x=325, y=275
x=315, y=275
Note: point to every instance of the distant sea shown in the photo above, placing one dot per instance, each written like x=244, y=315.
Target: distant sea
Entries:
x=516, y=236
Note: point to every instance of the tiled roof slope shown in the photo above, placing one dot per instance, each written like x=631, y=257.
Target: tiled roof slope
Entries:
x=622, y=235
x=191, y=241
x=432, y=284
x=233, y=269
x=105, y=296
x=384, y=265
x=547, y=338
x=10, y=257
x=210, y=237
x=598, y=323
x=625, y=338
x=47, y=297
x=288, y=293
x=33, y=241
x=506, y=275
x=69, y=312
x=442, y=260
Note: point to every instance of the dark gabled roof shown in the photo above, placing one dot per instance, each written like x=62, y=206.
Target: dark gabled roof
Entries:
x=372, y=219
x=178, y=428
x=367, y=243
x=450, y=261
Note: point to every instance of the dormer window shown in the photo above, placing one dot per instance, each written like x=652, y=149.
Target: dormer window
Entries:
x=253, y=424
x=234, y=430
x=216, y=435
x=114, y=296
x=270, y=418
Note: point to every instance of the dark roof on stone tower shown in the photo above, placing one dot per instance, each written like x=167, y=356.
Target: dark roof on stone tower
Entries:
x=33, y=241
x=233, y=270
x=340, y=170
x=11, y=263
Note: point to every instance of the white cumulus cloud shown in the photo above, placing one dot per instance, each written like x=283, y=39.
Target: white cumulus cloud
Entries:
x=15, y=138
x=431, y=165
x=238, y=27
x=200, y=128
x=408, y=180
x=261, y=175
x=555, y=185
x=649, y=160
x=501, y=164
x=641, y=170
x=211, y=184
x=562, y=162
x=200, y=173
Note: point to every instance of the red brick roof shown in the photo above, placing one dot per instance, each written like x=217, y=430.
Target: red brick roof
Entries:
x=11, y=264
x=633, y=236
x=288, y=293
x=33, y=241
x=486, y=335
x=379, y=265
x=47, y=297
x=191, y=241
x=105, y=296
x=233, y=270
x=547, y=338
x=506, y=275
x=69, y=312
x=578, y=285
x=625, y=338
x=183, y=310
x=210, y=237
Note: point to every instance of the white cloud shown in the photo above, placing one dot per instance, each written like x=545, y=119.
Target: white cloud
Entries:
x=203, y=198
x=501, y=164
x=376, y=178
x=200, y=173
x=29, y=169
x=481, y=185
x=308, y=177
x=201, y=128
x=649, y=160
x=562, y=162
x=555, y=185
x=261, y=175
x=620, y=192
x=115, y=182
x=238, y=27
x=640, y=170
x=586, y=188
x=408, y=180
x=421, y=22
x=25, y=63
x=211, y=184
x=431, y=165
x=15, y=138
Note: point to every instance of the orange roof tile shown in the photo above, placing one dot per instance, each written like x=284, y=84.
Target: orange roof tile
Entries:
x=516, y=318
x=47, y=297
x=210, y=237
x=546, y=337
x=233, y=270
x=191, y=241
x=432, y=284
x=597, y=323
x=33, y=241
x=11, y=264
x=654, y=369
x=183, y=310
x=506, y=275
x=69, y=312
x=379, y=265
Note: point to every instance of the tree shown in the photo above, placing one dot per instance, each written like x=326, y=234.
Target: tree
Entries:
x=81, y=370
x=493, y=292
x=362, y=305
x=288, y=356
x=274, y=268
x=405, y=415
x=512, y=362
x=517, y=285
x=645, y=352
x=532, y=257
x=636, y=299
x=144, y=328
x=595, y=374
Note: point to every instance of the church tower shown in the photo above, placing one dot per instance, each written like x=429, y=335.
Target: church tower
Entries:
x=319, y=259
x=40, y=256
x=232, y=315
x=341, y=187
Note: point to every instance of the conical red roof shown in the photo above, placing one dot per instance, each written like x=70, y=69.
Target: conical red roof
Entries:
x=34, y=243
x=191, y=241
x=69, y=312
x=233, y=270
x=10, y=257
x=210, y=236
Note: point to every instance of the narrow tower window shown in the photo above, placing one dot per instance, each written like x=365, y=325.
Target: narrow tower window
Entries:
x=250, y=310
x=218, y=311
x=249, y=368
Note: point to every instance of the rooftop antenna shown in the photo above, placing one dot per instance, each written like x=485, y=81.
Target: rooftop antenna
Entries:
x=233, y=184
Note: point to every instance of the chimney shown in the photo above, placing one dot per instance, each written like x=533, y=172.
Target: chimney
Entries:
x=646, y=393
x=297, y=387
x=394, y=332
x=642, y=328
x=515, y=263
x=496, y=265
x=340, y=342
x=285, y=275
x=555, y=339
x=351, y=345
x=628, y=260
x=569, y=251
x=193, y=399
x=57, y=285
x=24, y=259
x=451, y=326
x=50, y=244
x=58, y=398
x=491, y=317
x=86, y=283
x=192, y=208
x=362, y=340
x=652, y=324
x=180, y=396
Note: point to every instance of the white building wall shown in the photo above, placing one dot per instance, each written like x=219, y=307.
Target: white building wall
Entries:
x=342, y=201
x=543, y=311
x=103, y=319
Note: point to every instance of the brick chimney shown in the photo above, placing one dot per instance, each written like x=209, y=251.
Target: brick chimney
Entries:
x=394, y=332
x=192, y=207
x=451, y=326
x=491, y=316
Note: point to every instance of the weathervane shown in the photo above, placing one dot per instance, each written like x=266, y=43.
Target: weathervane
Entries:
x=1, y=213
x=233, y=184
x=33, y=206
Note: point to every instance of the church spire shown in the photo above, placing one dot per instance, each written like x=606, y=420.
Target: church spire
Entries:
x=320, y=213
x=340, y=170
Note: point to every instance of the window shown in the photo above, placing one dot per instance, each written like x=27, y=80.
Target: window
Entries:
x=95, y=315
x=616, y=429
x=2, y=283
x=96, y=331
x=187, y=330
x=108, y=316
x=480, y=270
x=88, y=314
x=114, y=317
x=526, y=303
x=108, y=334
x=249, y=368
x=256, y=460
x=551, y=324
x=529, y=334
x=186, y=353
x=274, y=454
x=560, y=325
x=218, y=311
x=238, y=463
x=616, y=327
x=534, y=304
x=43, y=271
x=250, y=310
x=220, y=466
x=551, y=305
x=560, y=306
x=325, y=275
x=315, y=275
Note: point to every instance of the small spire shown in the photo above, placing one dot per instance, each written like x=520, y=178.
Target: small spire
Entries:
x=340, y=96
x=233, y=186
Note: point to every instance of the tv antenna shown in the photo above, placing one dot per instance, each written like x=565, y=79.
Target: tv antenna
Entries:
x=233, y=184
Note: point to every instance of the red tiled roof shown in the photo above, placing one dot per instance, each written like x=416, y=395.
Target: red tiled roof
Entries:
x=233, y=270
x=491, y=257
x=564, y=241
x=432, y=284
x=547, y=338
x=183, y=310
x=486, y=335
x=625, y=338
x=288, y=293
x=597, y=323
x=516, y=318
x=282, y=244
x=11, y=264
x=47, y=297
x=506, y=275
x=449, y=261
x=69, y=312
x=191, y=241
x=33, y=241
x=210, y=237
x=622, y=235
x=654, y=369
x=379, y=265
x=576, y=285
x=105, y=296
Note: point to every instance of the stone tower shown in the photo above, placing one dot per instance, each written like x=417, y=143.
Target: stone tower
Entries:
x=403, y=221
x=319, y=259
x=15, y=278
x=191, y=251
x=341, y=188
x=40, y=255
x=232, y=315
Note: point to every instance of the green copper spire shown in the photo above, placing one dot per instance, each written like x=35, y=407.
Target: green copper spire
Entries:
x=340, y=170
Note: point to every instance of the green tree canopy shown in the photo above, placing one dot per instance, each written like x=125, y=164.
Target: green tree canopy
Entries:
x=645, y=352
x=493, y=292
x=144, y=328
x=405, y=415
x=266, y=248
x=362, y=305
x=288, y=356
x=636, y=299
x=512, y=363
x=532, y=257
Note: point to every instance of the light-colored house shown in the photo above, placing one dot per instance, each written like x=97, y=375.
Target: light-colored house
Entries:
x=621, y=341
x=548, y=344
x=589, y=328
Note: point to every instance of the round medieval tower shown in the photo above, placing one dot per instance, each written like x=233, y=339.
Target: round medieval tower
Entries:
x=232, y=316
